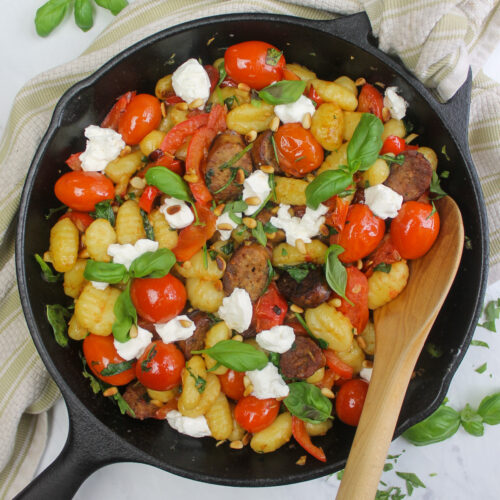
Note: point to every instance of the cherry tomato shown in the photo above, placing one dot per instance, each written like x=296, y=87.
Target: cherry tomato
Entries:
x=141, y=116
x=270, y=310
x=361, y=234
x=350, y=400
x=370, y=100
x=246, y=63
x=337, y=365
x=396, y=145
x=160, y=366
x=80, y=190
x=232, y=384
x=414, y=229
x=256, y=414
x=81, y=220
x=112, y=119
x=298, y=151
x=100, y=352
x=158, y=299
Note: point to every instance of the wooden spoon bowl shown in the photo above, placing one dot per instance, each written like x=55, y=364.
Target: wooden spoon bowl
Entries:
x=401, y=329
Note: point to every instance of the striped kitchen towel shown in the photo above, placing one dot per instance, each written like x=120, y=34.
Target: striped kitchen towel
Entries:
x=436, y=39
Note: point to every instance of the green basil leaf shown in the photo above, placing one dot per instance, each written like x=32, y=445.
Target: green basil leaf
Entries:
x=50, y=15
x=269, y=228
x=335, y=272
x=471, y=421
x=114, y=6
x=273, y=56
x=95, y=384
x=306, y=402
x=479, y=343
x=148, y=228
x=321, y=342
x=53, y=211
x=383, y=267
x=412, y=479
x=235, y=207
x=222, y=73
x=236, y=157
x=283, y=92
x=107, y=272
x=199, y=382
x=259, y=234
x=274, y=358
x=441, y=425
x=365, y=144
x=58, y=317
x=482, y=368
x=125, y=316
x=116, y=368
x=235, y=355
x=48, y=275
x=151, y=354
x=325, y=185
x=123, y=405
x=84, y=15
x=489, y=409
x=492, y=313
x=435, y=187
x=104, y=210
x=228, y=248
x=153, y=264
x=168, y=182
x=298, y=272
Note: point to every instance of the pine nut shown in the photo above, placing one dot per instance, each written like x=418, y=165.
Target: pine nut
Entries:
x=196, y=103
x=224, y=226
x=185, y=323
x=386, y=114
x=187, y=264
x=271, y=236
x=236, y=445
x=110, y=391
x=237, y=338
x=125, y=151
x=275, y=210
x=248, y=390
x=359, y=82
x=296, y=308
x=218, y=443
x=380, y=84
x=336, y=302
x=275, y=123
x=246, y=438
x=163, y=108
x=251, y=136
x=240, y=176
x=361, y=342
x=221, y=263
x=244, y=87
x=359, y=264
x=182, y=106
x=253, y=200
x=133, y=332
x=191, y=178
x=219, y=209
x=249, y=222
x=267, y=169
x=137, y=183
x=327, y=393
x=300, y=246
x=410, y=138
x=310, y=177
x=306, y=121
x=301, y=460
x=173, y=209
x=246, y=381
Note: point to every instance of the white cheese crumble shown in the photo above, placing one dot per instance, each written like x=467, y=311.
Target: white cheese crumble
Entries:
x=383, y=201
x=279, y=338
x=126, y=254
x=225, y=234
x=103, y=145
x=257, y=184
x=268, y=383
x=100, y=285
x=396, y=104
x=194, y=427
x=236, y=310
x=366, y=374
x=294, y=111
x=190, y=82
x=134, y=348
x=295, y=228
x=178, y=217
x=174, y=330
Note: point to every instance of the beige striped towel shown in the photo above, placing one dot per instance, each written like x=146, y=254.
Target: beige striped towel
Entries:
x=437, y=39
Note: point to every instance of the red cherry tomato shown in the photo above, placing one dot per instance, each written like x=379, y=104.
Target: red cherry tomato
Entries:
x=370, y=100
x=160, y=366
x=112, y=119
x=81, y=220
x=361, y=234
x=356, y=291
x=414, y=229
x=158, y=299
x=298, y=151
x=256, y=414
x=141, y=116
x=350, y=400
x=82, y=190
x=232, y=384
x=246, y=63
x=270, y=310
x=100, y=352
x=396, y=145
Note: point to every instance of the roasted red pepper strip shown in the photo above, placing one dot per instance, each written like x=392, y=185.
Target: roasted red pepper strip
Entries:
x=177, y=135
x=74, y=162
x=270, y=309
x=148, y=197
x=337, y=365
x=337, y=212
x=113, y=117
x=173, y=99
x=302, y=437
x=313, y=95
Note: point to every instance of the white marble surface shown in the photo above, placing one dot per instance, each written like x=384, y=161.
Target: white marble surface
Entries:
x=466, y=467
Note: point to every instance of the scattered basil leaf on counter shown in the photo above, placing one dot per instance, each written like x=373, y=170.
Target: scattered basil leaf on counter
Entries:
x=321, y=342
x=412, y=481
x=365, y=144
x=273, y=56
x=388, y=466
x=489, y=409
x=492, y=313
x=116, y=368
x=306, y=402
x=479, y=343
x=153, y=264
x=335, y=272
x=58, y=316
x=125, y=315
x=114, y=6
x=50, y=15
x=283, y=92
x=325, y=185
x=482, y=368
x=48, y=274
x=199, y=382
x=84, y=14
x=107, y=272
x=383, y=267
x=168, y=182
x=104, y=210
x=435, y=187
x=471, y=421
x=148, y=228
x=259, y=234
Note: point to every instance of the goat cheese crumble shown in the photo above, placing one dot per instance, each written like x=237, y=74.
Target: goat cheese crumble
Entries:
x=236, y=310
x=175, y=330
x=103, y=145
x=395, y=103
x=127, y=253
x=257, y=184
x=225, y=234
x=366, y=374
x=134, y=348
x=194, y=427
x=190, y=82
x=177, y=213
x=268, y=383
x=294, y=111
x=383, y=201
x=279, y=339
x=100, y=285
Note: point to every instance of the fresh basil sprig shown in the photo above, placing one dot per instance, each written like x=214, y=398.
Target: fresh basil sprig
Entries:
x=235, y=355
x=325, y=185
x=168, y=182
x=107, y=272
x=335, y=272
x=283, y=92
x=58, y=316
x=48, y=275
x=125, y=316
x=84, y=14
x=306, y=402
x=153, y=264
x=104, y=210
x=116, y=368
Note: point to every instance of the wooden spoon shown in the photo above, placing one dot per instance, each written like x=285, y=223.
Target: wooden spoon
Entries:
x=401, y=329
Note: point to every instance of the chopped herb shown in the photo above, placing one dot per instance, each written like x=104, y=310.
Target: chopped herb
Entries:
x=213, y=318
x=269, y=228
x=284, y=251
x=199, y=382
x=228, y=183
x=479, y=343
x=492, y=313
x=212, y=254
x=259, y=234
x=383, y=267
x=104, y=210
x=444, y=174
x=48, y=275
x=482, y=368
x=118, y=199
x=94, y=382
x=123, y=405
x=388, y=466
x=217, y=365
x=273, y=142
x=271, y=273
x=235, y=207
x=433, y=474
x=399, y=159
x=235, y=218
x=435, y=187
x=57, y=315
x=274, y=358
x=131, y=196
x=222, y=73
x=229, y=101
x=228, y=248
x=298, y=272
x=322, y=343
x=443, y=151
x=151, y=354
x=432, y=212
x=467, y=243
x=205, y=256
x=412, y=481
x=238, y=156
x=340, y=474
x=433, y=350
x=409, y=126
x=53, y=211
x=300, y=158
x=273, y=56
x=116, y=368
x=148, y=228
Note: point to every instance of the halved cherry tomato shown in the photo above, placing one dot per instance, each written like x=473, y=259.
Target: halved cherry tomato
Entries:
x=385, y=253
x=232, y=384
x=337, y=212
x=82, y=190
x=158, y=299
x=81, y=220
x=213, y=75
x=370, y=100
x=100, y=353
x=148, y=197
x=178, y=134
x=314, y=96
x=396, y=145
x=414, y=230
x=302, y=437
x=270, y=309
x=337, y=365
x=160, y=366
x=74, y=162
x=246, y=63
x=298, y=151
x=361, y=234
x=112, y=119
x=256, y=414
x=350, y=400
x=141, y=116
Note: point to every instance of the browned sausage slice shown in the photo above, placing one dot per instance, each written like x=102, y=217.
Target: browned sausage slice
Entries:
x=312, y=291
x=412, y=178
x=263, y=151
x=303, y=359
x=197, y=341
x=136, y=396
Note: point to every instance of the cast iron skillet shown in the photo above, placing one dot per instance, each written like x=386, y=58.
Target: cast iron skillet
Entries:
x=98, y=434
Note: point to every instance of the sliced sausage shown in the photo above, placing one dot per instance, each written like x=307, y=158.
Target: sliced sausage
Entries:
x=136, y=395
x=247, y=269
x=412, y=178
x=197, y=341
x=223, y=149
x=312, y=291
x=263, y=151
x=302, y=360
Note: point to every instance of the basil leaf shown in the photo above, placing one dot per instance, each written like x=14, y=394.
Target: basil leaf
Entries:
x=50, y=15
x=148, y=228
x=411, y=478
x=306, y=402
x=271, y=273
x=492, y=313
x=365, y=144
x=168, y=182
x=222, y=73
x=114, y=6
x=84, y=15
x=471, y=421
x=283, y=92
x=489, y=409
x=383, y=267
x=335, y=272
x=482, y=368
x=107, y=272
x=58, y=316
x=298, y=272
x=236, y=157
x=125, y=316
x=269, y=228
x=95, y=384
x=104, y=210
x=479, y=343
x=116, y=368
x=259, y=234
x=274, y=358
x=48, y=275
x=123, y=405
x=325, y=185
x=151, y=354
x=228, y=248
x=441, y=425
x=273, y=56
x=153, y=264
x=235, y=207
x=235, y=355
x=435, y=187
x=53, y=211
x=321, y=342
x=199, y=382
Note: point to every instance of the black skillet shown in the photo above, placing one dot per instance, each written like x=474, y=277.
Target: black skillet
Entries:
x=98, y=433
